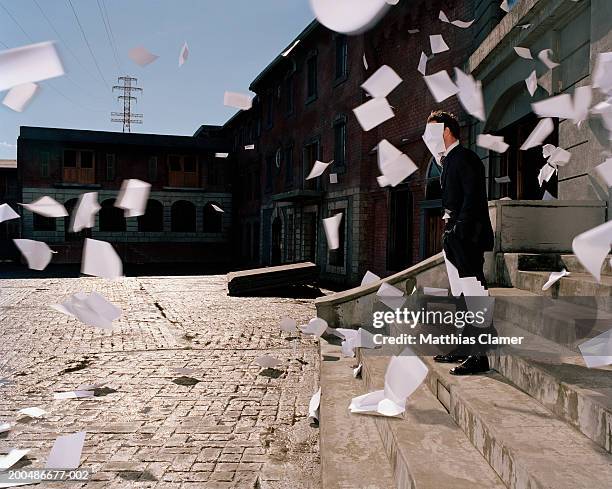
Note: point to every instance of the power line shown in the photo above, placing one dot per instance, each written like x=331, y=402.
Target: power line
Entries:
x=16, y=22
x=87, y=42
x=108, y=35
x=110, y=28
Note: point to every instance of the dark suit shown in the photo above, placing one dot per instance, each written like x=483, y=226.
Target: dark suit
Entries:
x=468, y=232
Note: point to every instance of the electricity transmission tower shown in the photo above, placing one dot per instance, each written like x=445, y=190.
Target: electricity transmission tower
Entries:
x=127, y=88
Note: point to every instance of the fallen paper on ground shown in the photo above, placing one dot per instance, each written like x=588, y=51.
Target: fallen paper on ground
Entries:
x=555, y=277
x=66, y=452
x=37, y=254
x=597, y=352
x=313, y=405
x=101, y=260
x=92, y=309
x=217, y=208
x=133, y=197
x=10, y=459
x=28, y=64
x=267, y=361
x=46, y=206
x=4, y=427
x=288, y=325
x=32, y=412
x=357, y=370
x=76, y=394
x=332, y=226
x=84, y=213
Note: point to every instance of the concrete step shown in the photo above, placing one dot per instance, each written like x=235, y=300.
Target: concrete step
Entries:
x=565, y=323
x=560, y=380
x=352, y=454
x=426, y=447
x=571, y=264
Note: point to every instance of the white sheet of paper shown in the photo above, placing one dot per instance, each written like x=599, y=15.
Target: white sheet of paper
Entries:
x=92, y=309
x=76, y=394
x=287, y=52
x=315, y=327
x=441, y=86
x=544, y=128
x=221, y=155
x=560, y=106
x=453, y=276
x=217, y=208
x=349, y=16
x=7, y=213
x=505, y=179
x=317, y=169
x=84, y=213
x=32, y=412
x=66, y=452
x=373, y=113
x=101, y=260
x=382, y=82
x=592, y=247
x=242, y=101
x=546, y=173
x=313, y=405
x=37, y=254
x=435, y=291
x=544, y=57
x=369, y=278
x=559, y=157
x=393, y=164
x=523, y=52
x=555, y=277
x=183, y=55
x=357, y=370
x=19, y=96
x=459, y=23
x=413, y=31
x=390, y=296
x=333, y=178
x=523, y=26
x=494, y=143
x=249, y=146
x=597, y=352
x=504, y=6
x=433, y=139
x=602, y=74
x=267, y=361
x=470, y=94
x=548, y=196
x=10, y=459
x=133, y=197
x=365, y=62
x=46, y=206
x=288, y=325
x=436, y=41
x=422, y=68
x=332, y=226
x=532, y=83
x=4, y=427
x=605, y=171
x=28, y=64
x=582, y=102
x=141, y=56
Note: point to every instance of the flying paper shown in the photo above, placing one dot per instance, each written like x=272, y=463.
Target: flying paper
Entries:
x=317, y=170
x=365, y=62
x=333, y=178
x=315, y=327
x=433, y=139
x=357, y=370
x=555, y=277
x=458, y=23
x=505, y=179
x=548, y=196
x=393, y=164
x=564, y=107
x=544, y=56
x=413, y=31
x=92, y=309
x=249, y=146
x=544, y=128
x=28, y=64
x=558, y=156
x=331, y=226
x=349, y=16
x=288, y=325
x=84, y=213
x=46, y=206
x=101, y=260
x=494, y=143
x=77, y=394
x=602, y=74
x=597, y=352
x=382, y=82
x=33, y=412
x=435, y=291
x=13, y=456
x=470, y=94
x=422, y=68
x=216, y=208
x=18, y=97
x=373, y=113
x=390, y=296
x=604, y=109
x=405, y=373
x=592, y=247
x=141, y=56
x=441, y=86
x=523, y=26
x=360, y=338
x=532, y=83
x=267, y=361
x=7, y=213
x=37, y=254
x=240, y=101
x=66, y=452
x=369, y=278
x=313, y=405
x=605, y=171
x=291, y=48
x=184, y=54
x=436, y=41
x=133, y=197
x=221, y=155
x=523, y=52
x=546, y=173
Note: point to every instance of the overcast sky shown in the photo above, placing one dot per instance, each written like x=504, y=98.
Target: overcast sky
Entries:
x=230, y=42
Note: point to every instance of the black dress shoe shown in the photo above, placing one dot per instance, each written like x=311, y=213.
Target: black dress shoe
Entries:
x=449, y=358
x=471, y=366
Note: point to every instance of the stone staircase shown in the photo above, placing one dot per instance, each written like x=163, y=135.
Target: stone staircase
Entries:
x=541, y=419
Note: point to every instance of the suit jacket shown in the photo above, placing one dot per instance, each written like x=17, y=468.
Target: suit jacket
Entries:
x=464, y=194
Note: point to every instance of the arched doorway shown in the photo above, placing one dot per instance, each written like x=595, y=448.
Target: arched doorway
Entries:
x=277, y=227
x=183, y=217
x=111, y=217
x=153, y=218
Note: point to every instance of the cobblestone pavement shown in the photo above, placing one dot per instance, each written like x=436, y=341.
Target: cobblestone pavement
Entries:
x=238, y=426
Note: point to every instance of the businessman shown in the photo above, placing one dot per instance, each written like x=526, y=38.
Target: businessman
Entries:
x=467, y=230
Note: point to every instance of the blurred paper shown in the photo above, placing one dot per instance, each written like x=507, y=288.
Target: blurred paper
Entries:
x=141, y=56
x=436, y=41
x=453, y=277
x=101, y=260
x=602, y=75
x=19, y=97
x=544, y=56
x=33, y=412
x=532, y=83
x=523, y=52
x=548, y=196
x=7, y=213
x=331, y=226
x=504, y=6
x=546, y=173
x=240, y=101
x=422, y=68
x=286, y=53
x=544, y=128
x=523, y=26
x=317, y=169
x=505, y=179
x=267, y=361
x=390, y=296
x=66, y=452
x=434, y=140
x=77, y=394
x=605, y=171
x=470, y=94
x=559, y=157
x=357, y=371
x=184, y=54
x=288, y=325
x=28, y=64
x=333, y=178
x=459, y=23
x=216, y=208
x=592, y=247
x=221, y=155
x=349, y=16
x=393, y=164
x=84, y=213
x=37, y=254
x=13, y=456
x=582, y=102
x=413, y=31
x=441, y=86
x=382, y=82
x=46, y=206
x=249, y=146
x=435, y=291
x=360, y=338
x=313, y=405
x=494, y=143
x=133, y=197
x=315, y=327
x=369, y=278
x=373, y=113
x=597, y=352
x=92, y=309
x=555, y=277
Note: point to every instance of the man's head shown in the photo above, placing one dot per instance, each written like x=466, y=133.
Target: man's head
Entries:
x=451, y=125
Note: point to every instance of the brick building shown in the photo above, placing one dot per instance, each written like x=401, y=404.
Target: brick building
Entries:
x=180, y=223
x=9, y=194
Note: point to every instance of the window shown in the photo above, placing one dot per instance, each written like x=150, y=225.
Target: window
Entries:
x=183, y=171
x=153, y=218
x=78, y=167
x=213, y=219
x=289, y=101
x=44, y=164
x=183, y=217
x=86, y=159
x=42, y=223
x=111, y=217
x=341, y=57
x=153, y=168
x=289, y=165
x=70, y=159
x=336, y=257
x=311, y=78
x=110, y=167
x=340, y=144
x=270, y=109
x=311, y=154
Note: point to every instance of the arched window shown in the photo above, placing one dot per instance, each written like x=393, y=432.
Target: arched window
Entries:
x=153, y=218
x=183, y=217
x=111, y=217
x=433, y=190
x=213, y=219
